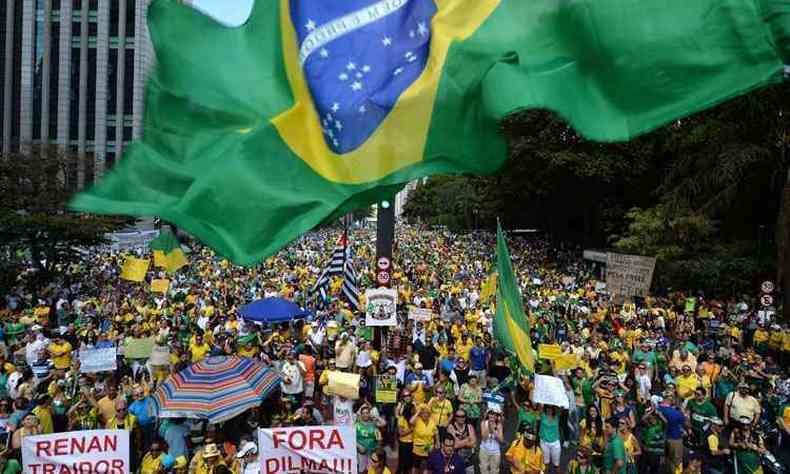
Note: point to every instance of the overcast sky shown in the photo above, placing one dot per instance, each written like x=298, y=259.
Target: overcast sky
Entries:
x=228, y=12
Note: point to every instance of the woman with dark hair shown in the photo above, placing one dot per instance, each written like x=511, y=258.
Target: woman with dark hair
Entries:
x=591, y=433
x=405, y=412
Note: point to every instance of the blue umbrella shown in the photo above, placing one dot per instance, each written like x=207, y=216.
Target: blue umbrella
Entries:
x=272, y=310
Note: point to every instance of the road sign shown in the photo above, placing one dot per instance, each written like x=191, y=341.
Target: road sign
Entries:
x=766, y=300
x=767, y=287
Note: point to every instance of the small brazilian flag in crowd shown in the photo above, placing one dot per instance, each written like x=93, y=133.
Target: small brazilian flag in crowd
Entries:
x=134, y=269
x=255, y=134
x=167, y=252
x=511, y=325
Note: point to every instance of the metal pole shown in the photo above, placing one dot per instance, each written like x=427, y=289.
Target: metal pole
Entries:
x=385, y=235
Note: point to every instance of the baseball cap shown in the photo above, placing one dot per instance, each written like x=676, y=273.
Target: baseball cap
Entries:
x=247, y=448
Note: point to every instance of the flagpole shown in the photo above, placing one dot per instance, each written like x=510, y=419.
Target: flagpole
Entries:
x=385, y=235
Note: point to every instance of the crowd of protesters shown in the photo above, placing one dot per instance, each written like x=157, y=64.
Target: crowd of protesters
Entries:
x=661, y=386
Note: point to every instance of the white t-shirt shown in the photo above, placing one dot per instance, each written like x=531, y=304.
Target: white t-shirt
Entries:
x=343, y=411
x=291, y=372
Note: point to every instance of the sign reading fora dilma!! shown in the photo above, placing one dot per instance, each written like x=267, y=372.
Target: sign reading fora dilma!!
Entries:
x=313, y=449
x=77, y=452
x=629, y=275
x=382, y=304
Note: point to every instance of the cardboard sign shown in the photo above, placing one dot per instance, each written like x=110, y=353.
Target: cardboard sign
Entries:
x=134, y=269
x=98, y=360
x=160, y=285
x=549, y=351
x=549, y=391
x=386, y=389
x=96, y=451
x=629, y=275
x=566, y=362
x=313, y=449
x=160, y=355
x=381, y=307
x=343, y=384
x=420, y=314
x=138, y=348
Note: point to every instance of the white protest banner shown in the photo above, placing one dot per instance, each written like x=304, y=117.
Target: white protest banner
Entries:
x=98, y=360
x=381, y=307
x=313, y=449
x=420, y=314
x=160, y=355
x=75, y=452
x=629, y=275
x=549, y=391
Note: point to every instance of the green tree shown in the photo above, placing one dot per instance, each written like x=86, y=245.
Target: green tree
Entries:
x=36, y=185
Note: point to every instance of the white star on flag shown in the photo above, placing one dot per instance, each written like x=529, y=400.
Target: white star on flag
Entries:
x=343, y=76
x=336, y=143
x=365, y=68
x=351, y=66
x=411, y=34
x=397, y=71
x=356, y=86
x=310, y=25
x=329, y=117
x=422, y=29
x=335, y=107
x=338, y=125
x=411, y=58
x=359, y=75
x=362, y=109
x=386, y=41
x=330, y=133
x=324, y=53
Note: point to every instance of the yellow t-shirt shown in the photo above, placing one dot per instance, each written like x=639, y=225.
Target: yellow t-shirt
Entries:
x=423, y=436
x=199, y=351
x=775, y=340
x=150, y=464
x=44, y=419
x=441, y=411
x=760, y=335
x=786, y=341
x=686, y=385
x=372, y=470
x=786, y=415
x=463, y=349
x=523, y=459
x=403, y=424
x=61, y=355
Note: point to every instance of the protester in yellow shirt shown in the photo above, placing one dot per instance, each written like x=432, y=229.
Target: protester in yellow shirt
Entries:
x=687, y=382
x=441, y=408
x=464, y=345
x=424, y=433
x=199, y=349
x=524, y=455
x=152, y=461
x=43, y=412
x=60, y=351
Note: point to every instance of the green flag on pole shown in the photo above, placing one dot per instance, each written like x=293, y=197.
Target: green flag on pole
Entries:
x=255, y=134
x=511, y=325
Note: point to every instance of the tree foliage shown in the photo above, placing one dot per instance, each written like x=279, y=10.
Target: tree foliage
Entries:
x=703, y=193
x=35, y=225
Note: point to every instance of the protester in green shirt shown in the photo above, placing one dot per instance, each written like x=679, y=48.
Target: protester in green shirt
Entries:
x=700, y=412
x=614, y=453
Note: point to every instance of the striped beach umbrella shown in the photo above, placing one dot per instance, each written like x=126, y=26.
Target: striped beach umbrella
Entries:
x=215, y=389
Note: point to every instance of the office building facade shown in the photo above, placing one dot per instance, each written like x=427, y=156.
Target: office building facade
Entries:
x=73, y=75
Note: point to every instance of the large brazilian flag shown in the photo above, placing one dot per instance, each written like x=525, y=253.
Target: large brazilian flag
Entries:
x=255, y=134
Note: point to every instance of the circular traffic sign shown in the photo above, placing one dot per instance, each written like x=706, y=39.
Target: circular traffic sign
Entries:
x=383, y=263
x=383, y=278
x=767, y=287
x=767, y=300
